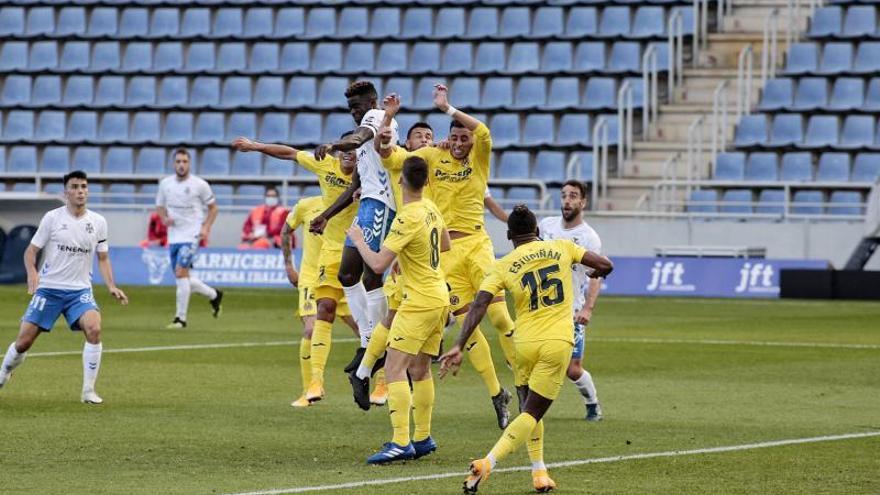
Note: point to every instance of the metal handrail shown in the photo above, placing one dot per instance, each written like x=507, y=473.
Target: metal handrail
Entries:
x=625, y=109
x=719, y=121
x=600, y=160
x=669, y=173
x=769, y=46
x=722, y=10
x=649, y=88
x=744, y=81
x=694, y=150
x=675, y=44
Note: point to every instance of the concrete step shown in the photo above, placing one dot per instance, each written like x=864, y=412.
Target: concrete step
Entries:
x=750, y=18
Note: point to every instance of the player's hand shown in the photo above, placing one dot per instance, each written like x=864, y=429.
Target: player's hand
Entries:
x=322, y=151
x=32, y=283
x=441, y=97
x=583, y=317
x=244, y=144
x=391, y=104
x=357, y=195
x=395, y=269
x=355, y=234
x=204, y=232
x=317, y=225
x=120, y=296
x=168, y=221
x=451, y=361
x=292, y=274
x=385, y=136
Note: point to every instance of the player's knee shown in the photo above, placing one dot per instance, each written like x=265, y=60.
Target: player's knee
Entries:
x=372, y=280
x=347, y=279
x=326, y=310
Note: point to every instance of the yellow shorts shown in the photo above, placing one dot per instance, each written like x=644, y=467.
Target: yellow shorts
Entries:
x=542, y=365
x=393, y=290
x=418, y=330
x=328, y=268
x=307, y=304
x=467, y=262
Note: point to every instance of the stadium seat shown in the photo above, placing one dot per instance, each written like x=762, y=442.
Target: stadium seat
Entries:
x=274, y=127
x=241, y=124
x=550, y=166
x=264, y=57
x=215, y=161
x=289, y=23
x=457, y=58
x=822, y=131
x=19, y=125
x=172, y=92
x=403, y=87
x=146, y=194
x=600, y=94
x=165, y=23
x=227, y=23
x=385, y=23
x=102, y=22
x=803, y=58
x=332, y=93
x=306, y=128
x=50, y=126
x=513, y=165
x=531, y=92
x=538, y=130
x=845, y=203
x=548, y=22
x=584, y=167
x=860, y=21
x=71, y=21
x=141, y=91
x=575, y=130
x=178, y=127
x=205, y=92
x=145, y=127
x=515, y=23
x=210, y=128
x=737, y=201
x=321, y=23
x=564, y=93
x=833, y=167
x=40, y=21
x=327, y=58
x=497, y=93
x=848, y=94
x=614, y=23
x=168, y=57
x=466, y=89
x=797, y=167
x=353, y=23
x=866, y=167
x=82, y=126
x=807, y=202
x=138, y=57
x=649, y=22
x=335, y=124
x=119, y=160
x=55, y=159
x=79, y=91
x=625, y=58
x=826, y=22
x=762, y=167
x=812, y=94
x=110, y=92
x=200, y=57
x=44, y=55
x=248, y=195
x=236, y=92
x=482, y=23
x=771, y=202
x=25, y=187
x=837, y=58
x=405, y=121
x=440, y=123
x=301, y=92
x=258, y=23
x=246, y=163
x=424, y=98
x=590, y=57
x=231, y=57
x=703, y=201
x=224, y=194
x=359, y=59
x=424, y=58
x=196, y=23
x=22, y=159
x=150, y=161
x=269, y=92
x=505, y=129
x=113, y=127
x=87, y=159
x=119, y=193
x=523, y=58
x=787, y=130
x=14, y=56
x=276, y=167
x=526, y=195
x=557, y=57
x=11, y=21
x=47, y=91
x=134, y=22
x=392, y=58
x=74, y=56
x=16, y=90
x=858, y=132
x=867, y=58
x=53, y=188
x=417, y=23
x=449, y=23
x=730, y=166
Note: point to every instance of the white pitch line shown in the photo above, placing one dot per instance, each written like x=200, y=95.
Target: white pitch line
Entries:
x=184, y=347
x=760, y=343
x=597, y=460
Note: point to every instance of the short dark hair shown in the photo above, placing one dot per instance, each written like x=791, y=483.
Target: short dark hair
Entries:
x=76, y=174
x=580, y=186
x=415, y=172
x=522, y=221
x=361, y=88
x=455, y=124
x=182, y=151
x=419, y=125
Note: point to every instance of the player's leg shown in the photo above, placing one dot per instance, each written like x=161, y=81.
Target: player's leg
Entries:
x=215, y=296
x=90, y=324
x=181, y=279
x=379, y=219
x=16, y=352
x=423, y=388
x=372, y=363
x=500, y=318
x=400, y=448
x=582, y=378
x=45, y=307
x=322, y=334
x=351, y=269
x=308, y=313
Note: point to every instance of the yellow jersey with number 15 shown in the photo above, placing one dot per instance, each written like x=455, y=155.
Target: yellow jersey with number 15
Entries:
x=538, y=276
x=305, y=210
x=415, y=238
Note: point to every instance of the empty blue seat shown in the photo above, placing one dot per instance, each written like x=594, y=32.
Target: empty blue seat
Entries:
x=227, y=23
x=178, y=127
x=548, y=22
x=730, y=166
x=557, y=57
x=538, y=130
x=119, y=193
x=301, y=92
x=165, y=22
x=138, y=57
x=55, y=159
x=703, y=201
x=141, y=91
x=327, y=58
x=353, y=22
x=762, y=167
x=50, y=126
x=737, y=201
x=860, y=21
x=440, y=123
x=113, y=127
x=289, y=22
x=335, y=124
x=600, y=94
x=47, y=91
x=19, y=125
x=71, y=21
x=168, y=57
x=14, y=56
x=405, y=121
x=513, y=165
x=147, y=194
x=797, y=167
x=215, y=161
x=550, y=166
x=417, y=23
x=467, y=91
x=582, y=23
x=196, y=22
x=145, y=127
x=866, y=167
x=306, y=128
x=575, y=129
x=424, y=58
x=359, y=58
x=808, y=203
x=40, y=21
x=79, y=91
x=771, y=201
x=826, y=21
x=241, y=124
x=449, y=23
x=385, y=23
x=392, y=58
x=200, y=57
x=16, y=90
x=837, y=58
x=277, y=167
x=858, y=132
x=82, y=126
x=224, y=193
x=258, y=23
x=833, y=167
x=269, y=91
x=150, y=161
x=515, y=22
x=525, y=195
x=812, y=94
x=22, y=159
x=264, y=58
x=236, y=92
x=787, y=130
x=845, y=203
x=110, y=92
x=531, y=92
x=274, y=127
x=523, y=58
x=87, y=159
x=867, y=58
x=102, y=22
x=119, y=160
x=44, y=55
x=505, y=129
x=134, y=22
x=11, y=21
x=751, y=130
x=321, y=23
x=249, y=195
x=848, y=94
x=822, y=131
x=403, y=87
x=332, y=93
x=457, y=57
x=246, y=163
x=210, y=128
x=625, y=57
x=564, y=93
x=649, y=22
x=172, y=92
x=232, y=57
x=205, y=92
x=483, y=23
x=490, y=58
x=497, y=93
x=74, y=56
x=615, y=22
x=803, y=58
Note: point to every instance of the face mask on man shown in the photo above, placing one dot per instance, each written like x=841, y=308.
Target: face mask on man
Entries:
x=271, y=200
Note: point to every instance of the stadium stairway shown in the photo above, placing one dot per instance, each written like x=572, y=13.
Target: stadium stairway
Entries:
x=668, y=136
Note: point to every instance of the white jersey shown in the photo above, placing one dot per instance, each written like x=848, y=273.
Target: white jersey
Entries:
x=584, y=236
x=68, y=245
x=375, y=182
x=185, y=200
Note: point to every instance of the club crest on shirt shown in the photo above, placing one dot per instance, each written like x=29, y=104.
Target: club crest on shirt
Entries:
x=90, y=229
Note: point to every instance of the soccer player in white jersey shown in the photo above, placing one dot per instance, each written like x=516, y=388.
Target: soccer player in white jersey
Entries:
x=68, y=237
x=376, y=211
x=571, y=226
x=181, y=204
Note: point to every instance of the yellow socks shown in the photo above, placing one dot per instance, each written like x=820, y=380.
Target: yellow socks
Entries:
x=399, y=403
x=376, y=347
x=305, y=363
x=321, y=342
x=536, y=446
x=423, y=406
x=516, y=434
x=500, y=318
x=480, y=356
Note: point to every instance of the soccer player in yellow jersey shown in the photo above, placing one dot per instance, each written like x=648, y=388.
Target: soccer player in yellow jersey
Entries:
x=459, y=179
x=416, y=239
x=334, y=177
x=538, y=274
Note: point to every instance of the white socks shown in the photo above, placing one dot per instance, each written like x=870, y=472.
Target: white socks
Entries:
x=363, y=372
x=91, y=365
x=183, y=288
x=356, y=296
x=202, y=288
x=586, y=387
x=492, y=460
x=539, y=466
x=377, y=307
x=11, y=360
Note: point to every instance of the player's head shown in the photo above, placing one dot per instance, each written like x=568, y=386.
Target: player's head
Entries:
x=76, y=188
x=522, y=225
x=182, y=162
x=415, y=174
x=419, y=135
x=362, y=97
x=347, y=159
x=271, y=198
x=574, y=199
x=461, y=140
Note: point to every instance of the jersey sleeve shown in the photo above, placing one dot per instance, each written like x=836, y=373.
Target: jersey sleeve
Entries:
x=395, y=161
x=295, y=217
x=206, y=195
x=373, y=120
x=493, y=283
x=576, y=252
x=102, y=231
x=44, y=231
x=307, y=161
x=401, y=233
x=482, y=145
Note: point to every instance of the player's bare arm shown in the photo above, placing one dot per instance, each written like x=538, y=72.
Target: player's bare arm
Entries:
x=205, y=231
x=292, y=274
x=280, y=151
x=495, y=209
x=601, y=265
x=351, y=142
x=441, y=101
x=445, y=241
x=378, y=262
x=318, y=224
x=584, y=316
x=30, y=264
x=451, y=361
x=107, y=272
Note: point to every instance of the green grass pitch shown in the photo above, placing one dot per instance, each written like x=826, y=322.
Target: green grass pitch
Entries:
x=205, y=421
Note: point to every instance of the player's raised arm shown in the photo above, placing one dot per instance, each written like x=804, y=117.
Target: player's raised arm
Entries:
x=350, y=142
x=495, y=209
x=451, y=361
x=383, y=143
x=441, y=101
x=280, y=151
x=601, y=265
